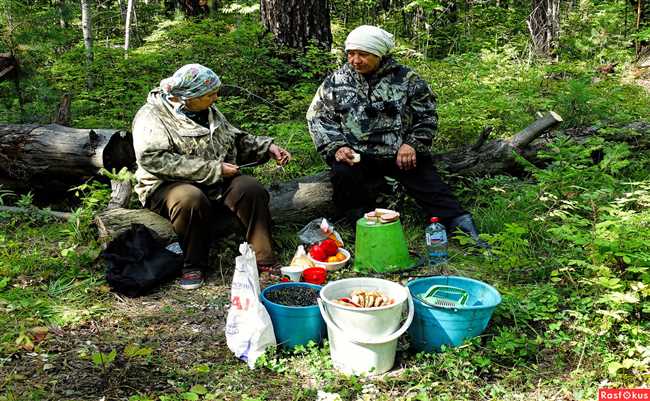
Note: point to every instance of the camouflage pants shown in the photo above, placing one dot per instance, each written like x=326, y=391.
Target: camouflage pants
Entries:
x=193, y=214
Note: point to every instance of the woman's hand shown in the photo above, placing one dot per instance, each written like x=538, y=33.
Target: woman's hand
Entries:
x=406, y=157
x=345, y=155
x=229, y=170
x=280, y=155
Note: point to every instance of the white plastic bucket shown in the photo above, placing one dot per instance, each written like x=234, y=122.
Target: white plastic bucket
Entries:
x=365, y=322
x=358, y=349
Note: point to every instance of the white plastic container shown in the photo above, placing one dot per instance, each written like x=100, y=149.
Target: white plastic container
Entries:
x=294, y=273
x=364, y=340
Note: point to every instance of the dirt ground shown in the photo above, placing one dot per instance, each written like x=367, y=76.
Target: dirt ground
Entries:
x=183, y=329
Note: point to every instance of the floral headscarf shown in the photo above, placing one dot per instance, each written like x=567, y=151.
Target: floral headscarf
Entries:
x=190, y=81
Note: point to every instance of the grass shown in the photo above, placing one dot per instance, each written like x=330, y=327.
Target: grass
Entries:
x=39, y=286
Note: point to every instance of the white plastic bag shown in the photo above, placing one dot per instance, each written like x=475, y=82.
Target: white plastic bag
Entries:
x=249, y=329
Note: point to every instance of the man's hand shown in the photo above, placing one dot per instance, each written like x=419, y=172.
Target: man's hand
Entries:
x=406, y=157
x=280, y=155
x=229, y=170
x=345, y=155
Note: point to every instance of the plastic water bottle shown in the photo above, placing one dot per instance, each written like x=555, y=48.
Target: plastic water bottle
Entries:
x=436, y=241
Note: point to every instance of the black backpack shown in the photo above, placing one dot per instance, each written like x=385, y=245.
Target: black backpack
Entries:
x=138, y=263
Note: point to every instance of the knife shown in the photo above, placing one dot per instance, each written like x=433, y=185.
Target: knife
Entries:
x=251, y=164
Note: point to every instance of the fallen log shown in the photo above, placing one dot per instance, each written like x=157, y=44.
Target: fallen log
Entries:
x=299, y=201
x=45, y=212
x=36, y=156
x=496, y=156
x=8, y=65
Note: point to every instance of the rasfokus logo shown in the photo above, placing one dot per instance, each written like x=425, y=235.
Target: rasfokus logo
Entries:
x=623, y=394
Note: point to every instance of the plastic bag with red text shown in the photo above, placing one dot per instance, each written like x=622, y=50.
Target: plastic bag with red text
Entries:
x=249, y=330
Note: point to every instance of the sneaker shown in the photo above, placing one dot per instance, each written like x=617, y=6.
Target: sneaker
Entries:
x=192, y=280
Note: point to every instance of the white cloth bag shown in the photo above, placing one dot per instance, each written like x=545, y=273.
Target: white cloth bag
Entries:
x=249, y=329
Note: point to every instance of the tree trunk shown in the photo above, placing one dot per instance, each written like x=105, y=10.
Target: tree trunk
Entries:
x=35, y=157
x=63, y=17
x=63, y=112
x=544, y=26
x=194, y=8
x=127, y=27
x=639, y=16
x=213, y=6
x=12, y=70
x=86, y=27
x=295, y=22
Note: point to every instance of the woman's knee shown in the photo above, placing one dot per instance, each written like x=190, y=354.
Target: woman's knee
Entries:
x=345, y=176
x=248, y=187
x=187, y=198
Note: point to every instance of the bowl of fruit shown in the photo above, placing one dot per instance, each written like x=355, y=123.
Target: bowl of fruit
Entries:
x=329, y=255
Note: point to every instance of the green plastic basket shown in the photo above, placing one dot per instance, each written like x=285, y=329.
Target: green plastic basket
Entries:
x=445, y=296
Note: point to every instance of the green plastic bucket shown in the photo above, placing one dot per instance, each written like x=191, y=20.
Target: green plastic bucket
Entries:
x=381, y=247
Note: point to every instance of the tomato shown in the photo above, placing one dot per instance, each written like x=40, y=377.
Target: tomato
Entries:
x=329, y=247
x=317, y=252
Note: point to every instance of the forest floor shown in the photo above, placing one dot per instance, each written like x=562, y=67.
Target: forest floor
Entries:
x=181, y=333
x=170, y=345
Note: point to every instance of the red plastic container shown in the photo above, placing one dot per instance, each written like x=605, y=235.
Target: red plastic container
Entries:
x=315, y=275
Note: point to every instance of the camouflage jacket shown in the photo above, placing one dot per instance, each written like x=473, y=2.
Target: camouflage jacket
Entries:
x=169, y=146
x=375, y=115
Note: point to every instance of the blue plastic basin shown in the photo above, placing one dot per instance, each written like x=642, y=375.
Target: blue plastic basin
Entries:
x=294, y=325
x=434, y=326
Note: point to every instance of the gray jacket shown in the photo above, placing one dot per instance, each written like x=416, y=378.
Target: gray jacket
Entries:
x=169, y=146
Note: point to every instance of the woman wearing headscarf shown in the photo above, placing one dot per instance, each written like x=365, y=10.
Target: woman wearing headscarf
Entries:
x=374, y=118
x=188, y=156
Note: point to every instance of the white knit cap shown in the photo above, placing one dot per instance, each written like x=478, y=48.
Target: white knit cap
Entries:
x=370, y=39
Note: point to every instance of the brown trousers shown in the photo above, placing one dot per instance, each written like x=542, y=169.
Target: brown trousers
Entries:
x=192, y=214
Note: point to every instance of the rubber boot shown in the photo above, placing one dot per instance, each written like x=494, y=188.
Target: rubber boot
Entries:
x=465, y=223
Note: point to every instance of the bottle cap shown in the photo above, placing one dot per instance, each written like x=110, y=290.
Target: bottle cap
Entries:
x=435, y=219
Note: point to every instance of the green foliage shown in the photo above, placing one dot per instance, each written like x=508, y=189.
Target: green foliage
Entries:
x=94, y=196
x=595, y=224
x=67, y=291
x=597, y=30
x=103, y=360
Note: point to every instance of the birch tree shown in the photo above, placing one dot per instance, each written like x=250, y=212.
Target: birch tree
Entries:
x=86, y=27
x=127, y=27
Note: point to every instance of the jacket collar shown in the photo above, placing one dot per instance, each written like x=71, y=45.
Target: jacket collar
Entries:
x=170, y=113
x=386, y=66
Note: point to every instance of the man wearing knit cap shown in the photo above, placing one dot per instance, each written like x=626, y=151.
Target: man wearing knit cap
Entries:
x=374, y=118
